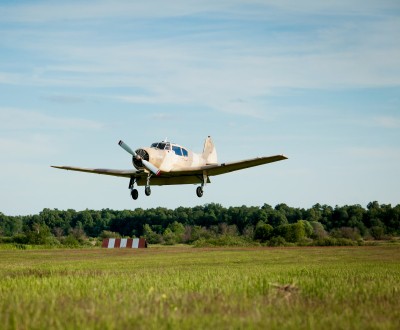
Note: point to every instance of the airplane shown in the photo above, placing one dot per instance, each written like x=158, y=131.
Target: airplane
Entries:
x=166, y=163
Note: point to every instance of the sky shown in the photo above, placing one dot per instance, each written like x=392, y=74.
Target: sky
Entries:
x=318, y=81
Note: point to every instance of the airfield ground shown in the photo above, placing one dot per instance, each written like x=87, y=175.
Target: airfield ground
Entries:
x=189, y=288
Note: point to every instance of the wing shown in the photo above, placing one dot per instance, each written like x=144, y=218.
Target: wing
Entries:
x=121, y=173
x=242, y=164
x=194, y=175
x=217, y=169
x=186, y=175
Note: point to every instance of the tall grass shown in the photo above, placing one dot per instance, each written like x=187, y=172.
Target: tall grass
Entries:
x=161, y=288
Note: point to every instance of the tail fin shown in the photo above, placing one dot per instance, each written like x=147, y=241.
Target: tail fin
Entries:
x=209, y=152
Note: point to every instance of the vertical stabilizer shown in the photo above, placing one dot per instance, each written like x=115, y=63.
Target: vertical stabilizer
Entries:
x=209, y=152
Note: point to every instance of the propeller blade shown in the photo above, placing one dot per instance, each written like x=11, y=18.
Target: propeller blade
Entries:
x=145, y=163
x=150, y=167
x=124, y=146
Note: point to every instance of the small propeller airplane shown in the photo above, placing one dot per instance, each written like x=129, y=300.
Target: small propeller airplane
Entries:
x=166, y=163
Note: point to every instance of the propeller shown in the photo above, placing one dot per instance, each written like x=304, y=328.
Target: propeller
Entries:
x=145, y=163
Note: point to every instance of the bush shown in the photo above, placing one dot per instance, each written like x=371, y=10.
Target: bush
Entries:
x=4, y=240
x=224, y=240
x=277, y=241
x=169, y=237
x=70, y=241
x=20, y=239
x=346, y=232
x=263, y=232
x=330, y=241
x=109, y=234
x=51, y=241
x=293, y=233
x=377, y=232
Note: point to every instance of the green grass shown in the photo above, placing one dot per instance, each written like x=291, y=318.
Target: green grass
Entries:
x=228, y=288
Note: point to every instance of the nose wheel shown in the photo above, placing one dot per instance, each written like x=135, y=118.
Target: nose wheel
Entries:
x=147, y=191
x=134, y=192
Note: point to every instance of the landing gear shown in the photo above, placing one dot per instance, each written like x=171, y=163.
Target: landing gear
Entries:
x=134, y=194
x=199, y=191
x=147, y=191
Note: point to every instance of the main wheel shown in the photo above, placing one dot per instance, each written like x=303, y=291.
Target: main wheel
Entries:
x=199, y=191
x=147, y=191
x=134, y=194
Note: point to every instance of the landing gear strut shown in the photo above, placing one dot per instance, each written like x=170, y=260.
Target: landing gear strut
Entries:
x=147, y=190
x=134, y=192
x=199, y=190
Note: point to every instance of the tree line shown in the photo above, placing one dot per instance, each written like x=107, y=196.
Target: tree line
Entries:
x=210, y=224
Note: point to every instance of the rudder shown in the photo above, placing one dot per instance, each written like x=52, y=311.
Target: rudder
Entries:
x=209, y=152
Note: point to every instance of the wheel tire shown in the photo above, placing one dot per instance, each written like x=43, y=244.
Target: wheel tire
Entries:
x=134, y=194
x=147, y=191
x=199, y=192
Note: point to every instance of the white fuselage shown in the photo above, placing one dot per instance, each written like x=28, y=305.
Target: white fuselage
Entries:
x=167, y=160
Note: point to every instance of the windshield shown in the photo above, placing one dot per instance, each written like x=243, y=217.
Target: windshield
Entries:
x=161, y=145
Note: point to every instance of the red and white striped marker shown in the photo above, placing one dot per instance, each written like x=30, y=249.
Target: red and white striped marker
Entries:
x=122, y=243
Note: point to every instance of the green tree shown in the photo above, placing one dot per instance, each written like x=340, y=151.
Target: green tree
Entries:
x=263, y=231
x=39, y=234
x=178, y=230
x=150, y=235
x=308, y=228
x=10, y=226
x=377, y=232
x=293, y=233
x=319, y=231
x=169, y=237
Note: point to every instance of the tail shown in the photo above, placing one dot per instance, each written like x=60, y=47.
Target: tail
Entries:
x=209, y=152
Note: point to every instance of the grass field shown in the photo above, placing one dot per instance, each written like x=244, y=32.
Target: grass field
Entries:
x=186, y=288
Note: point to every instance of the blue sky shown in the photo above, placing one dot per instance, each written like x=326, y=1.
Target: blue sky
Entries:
x=318, y=81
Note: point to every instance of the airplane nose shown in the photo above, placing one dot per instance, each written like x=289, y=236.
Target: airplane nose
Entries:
x=141, y=154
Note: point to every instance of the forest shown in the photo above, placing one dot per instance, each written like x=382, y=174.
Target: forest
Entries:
x=207, y=225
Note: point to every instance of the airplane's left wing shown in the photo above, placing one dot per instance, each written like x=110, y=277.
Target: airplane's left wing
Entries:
x=121, y=173
x=195, y=175
x=217, y=169
x=242, y=164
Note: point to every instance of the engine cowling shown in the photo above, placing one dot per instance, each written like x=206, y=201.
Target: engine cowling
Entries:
x=137, y=161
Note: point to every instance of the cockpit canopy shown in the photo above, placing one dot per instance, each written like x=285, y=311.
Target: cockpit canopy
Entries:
x=178, y=150
x=161, y=145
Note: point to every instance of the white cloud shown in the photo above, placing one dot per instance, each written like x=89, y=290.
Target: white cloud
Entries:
x=17, y=119
x=388, y=121
x=36, y=145
x=206, y=66
x=383, y=154
x=46, y=11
